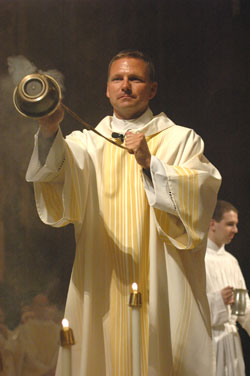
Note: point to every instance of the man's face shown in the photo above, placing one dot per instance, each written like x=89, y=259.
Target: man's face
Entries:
x=129, y=88
x=225, y=230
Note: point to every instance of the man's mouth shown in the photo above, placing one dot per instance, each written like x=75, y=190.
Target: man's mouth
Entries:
x=126, y=96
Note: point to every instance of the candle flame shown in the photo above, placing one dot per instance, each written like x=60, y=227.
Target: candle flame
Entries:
x=65, y=323
x=134, y=287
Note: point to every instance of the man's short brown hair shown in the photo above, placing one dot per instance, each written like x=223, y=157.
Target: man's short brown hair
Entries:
x=136, y=55
x=221, y=208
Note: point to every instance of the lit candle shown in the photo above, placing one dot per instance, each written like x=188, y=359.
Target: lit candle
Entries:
x=67, y=340
x=135, y=304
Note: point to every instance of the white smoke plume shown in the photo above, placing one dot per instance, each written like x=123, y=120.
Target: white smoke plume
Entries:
x=19, y=66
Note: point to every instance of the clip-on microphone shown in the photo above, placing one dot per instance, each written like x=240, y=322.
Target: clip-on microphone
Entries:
x=118, y=135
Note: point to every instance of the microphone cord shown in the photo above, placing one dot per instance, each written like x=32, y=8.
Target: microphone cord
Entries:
x=89, y=127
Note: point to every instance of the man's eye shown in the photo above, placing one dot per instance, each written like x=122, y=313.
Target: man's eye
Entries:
x=137, y=79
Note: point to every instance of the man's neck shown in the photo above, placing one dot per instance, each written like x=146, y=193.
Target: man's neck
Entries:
x=119, y=125
x=215, y=241
x=129, y=116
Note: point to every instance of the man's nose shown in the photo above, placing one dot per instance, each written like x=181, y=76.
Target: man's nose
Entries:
x=235, y=229
x=126, y=86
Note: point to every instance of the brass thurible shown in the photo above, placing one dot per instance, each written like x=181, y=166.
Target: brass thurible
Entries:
x=37, y=95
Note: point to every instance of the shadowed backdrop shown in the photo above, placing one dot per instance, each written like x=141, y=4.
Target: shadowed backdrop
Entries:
x=201, y=50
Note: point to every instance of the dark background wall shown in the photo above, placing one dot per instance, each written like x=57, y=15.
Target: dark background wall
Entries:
x=202, y=53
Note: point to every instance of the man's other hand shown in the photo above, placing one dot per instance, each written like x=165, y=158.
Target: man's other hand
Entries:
x=227, y=295
x=137, y=145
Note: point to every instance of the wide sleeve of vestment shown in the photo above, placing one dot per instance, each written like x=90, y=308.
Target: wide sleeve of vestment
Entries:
x=61, y=197
x=183, y=191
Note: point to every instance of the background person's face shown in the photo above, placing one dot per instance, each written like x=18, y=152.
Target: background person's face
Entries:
x=225, y=230
x=129, y=88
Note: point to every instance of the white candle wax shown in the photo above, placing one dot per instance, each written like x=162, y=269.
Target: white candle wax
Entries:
x=136, y=336
x=66, y=362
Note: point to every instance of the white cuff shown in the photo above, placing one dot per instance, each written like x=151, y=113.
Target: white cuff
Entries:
x=36, y=172
x=158, y=190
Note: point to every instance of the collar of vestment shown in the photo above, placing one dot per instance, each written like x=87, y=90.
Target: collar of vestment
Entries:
x=121, y=125
x=147, y=123
x=214, y=248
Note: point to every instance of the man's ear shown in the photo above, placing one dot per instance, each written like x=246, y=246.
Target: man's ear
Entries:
x=212, y=224
x=154, y=87
x=107, y=92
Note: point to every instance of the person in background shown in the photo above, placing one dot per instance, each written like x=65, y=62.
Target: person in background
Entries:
x=141, y=214
x=32, y=349
x=223, y=275
x=4, y=330
x=4, y=335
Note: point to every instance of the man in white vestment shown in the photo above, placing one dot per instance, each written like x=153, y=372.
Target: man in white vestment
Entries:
x=223, y=275
x=141, y=214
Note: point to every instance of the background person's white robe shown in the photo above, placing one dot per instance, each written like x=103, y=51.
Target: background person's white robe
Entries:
x=223, y=270
x=130, y=230
x=32, y=349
